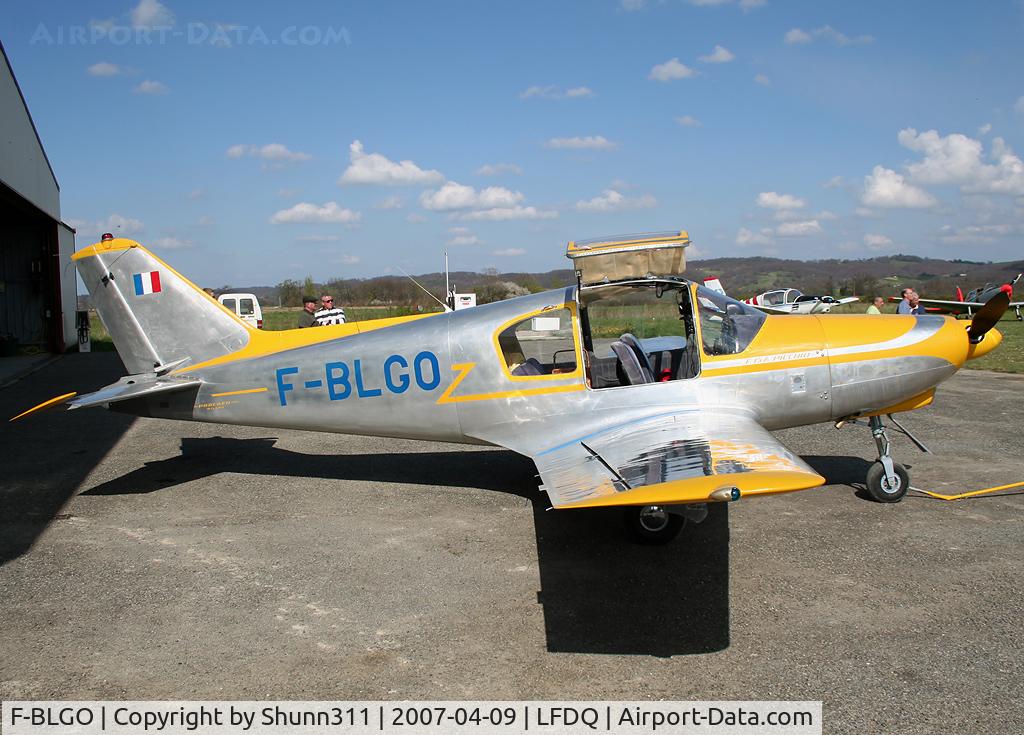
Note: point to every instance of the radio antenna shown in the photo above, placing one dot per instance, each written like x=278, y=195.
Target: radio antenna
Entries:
x=422, y=288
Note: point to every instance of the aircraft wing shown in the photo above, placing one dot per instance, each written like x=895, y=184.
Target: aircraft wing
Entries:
x=780, y=309
x=959, y=307
x=679, y=457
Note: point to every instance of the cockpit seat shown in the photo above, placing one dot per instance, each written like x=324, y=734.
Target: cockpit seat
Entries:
x=631, y=367
x=645, y=363
x=531, y=366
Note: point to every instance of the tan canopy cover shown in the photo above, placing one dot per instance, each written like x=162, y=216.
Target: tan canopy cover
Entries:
x=629, y=256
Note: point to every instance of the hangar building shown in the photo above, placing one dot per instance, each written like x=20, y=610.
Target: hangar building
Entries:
x=38, y=290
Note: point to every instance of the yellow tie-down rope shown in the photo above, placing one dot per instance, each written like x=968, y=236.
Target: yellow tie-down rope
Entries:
x=971, y=494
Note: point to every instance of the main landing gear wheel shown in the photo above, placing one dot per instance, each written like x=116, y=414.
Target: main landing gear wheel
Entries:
x=881, y=489
x=652, y=524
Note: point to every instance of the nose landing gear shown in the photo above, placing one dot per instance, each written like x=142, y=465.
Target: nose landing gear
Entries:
x=887, y=481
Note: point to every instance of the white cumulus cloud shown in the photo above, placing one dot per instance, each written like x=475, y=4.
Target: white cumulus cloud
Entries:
x=671, y=70
x=306, y=213
x=454, y=195
x=389, y=203
x=747, y=237
x=172, y=243
x=688, y=121
x=719, y=55
x=151, y=14
x=273, y=152
x=763, y=80
x=773, y=200
x=150, y=86
x=958, y=159
x=883, y=187
x=798, y=35
x=597, y=142
x=116, y=224
x=373, y=168
x=509, y=252
x=497, y=169
x=105, y=69
x=318, y=238
x=551, y=92
x=877, y=242
x=613, y=201
x=507, y=213
x=798, y=229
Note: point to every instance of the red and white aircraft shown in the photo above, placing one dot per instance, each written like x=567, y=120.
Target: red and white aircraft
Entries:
x=787, y=300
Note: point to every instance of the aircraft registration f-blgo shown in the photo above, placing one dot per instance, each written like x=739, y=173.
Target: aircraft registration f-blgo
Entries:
x=633, y=387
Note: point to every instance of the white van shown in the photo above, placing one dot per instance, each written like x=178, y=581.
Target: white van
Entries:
x=245, y=305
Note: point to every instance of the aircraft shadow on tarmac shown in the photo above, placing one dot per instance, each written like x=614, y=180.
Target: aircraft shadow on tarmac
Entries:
x=840, y=470
x=47, y=457
x=204, y=457
x=600, y=592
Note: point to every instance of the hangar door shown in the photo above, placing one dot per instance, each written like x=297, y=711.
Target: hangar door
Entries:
x=27, y=303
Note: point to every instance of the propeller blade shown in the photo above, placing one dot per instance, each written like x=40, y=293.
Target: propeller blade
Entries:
x=987, y=316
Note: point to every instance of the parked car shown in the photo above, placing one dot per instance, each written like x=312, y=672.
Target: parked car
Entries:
x=245, y=305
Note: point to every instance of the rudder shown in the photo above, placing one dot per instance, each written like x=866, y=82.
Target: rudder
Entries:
x=154, y=315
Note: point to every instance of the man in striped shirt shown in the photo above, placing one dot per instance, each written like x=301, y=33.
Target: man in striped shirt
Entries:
x=328, y=313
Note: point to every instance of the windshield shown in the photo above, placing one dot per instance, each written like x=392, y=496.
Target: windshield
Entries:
x=727, y=327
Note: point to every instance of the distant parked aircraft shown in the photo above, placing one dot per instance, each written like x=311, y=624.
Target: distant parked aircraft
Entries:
x=787, y=300
x=974, y=299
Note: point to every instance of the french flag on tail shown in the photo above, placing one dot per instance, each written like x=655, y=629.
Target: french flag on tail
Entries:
x=146, y=283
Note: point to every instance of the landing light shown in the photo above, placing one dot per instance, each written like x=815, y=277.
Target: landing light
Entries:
x=726, y=494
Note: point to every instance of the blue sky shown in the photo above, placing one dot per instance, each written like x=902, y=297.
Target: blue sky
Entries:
x=248, y=143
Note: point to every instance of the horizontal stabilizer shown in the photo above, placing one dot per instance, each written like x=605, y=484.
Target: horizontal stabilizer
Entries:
x=133, y=386
x=128, y=387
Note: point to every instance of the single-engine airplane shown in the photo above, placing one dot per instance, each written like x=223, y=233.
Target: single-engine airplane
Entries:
x=661, y=423
x=975, y=299
x=787, y=300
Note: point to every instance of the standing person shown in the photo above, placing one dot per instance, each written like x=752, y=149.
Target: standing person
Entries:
x=876, y=305
x=307, y=317
x=329, y=313
x=911, y=303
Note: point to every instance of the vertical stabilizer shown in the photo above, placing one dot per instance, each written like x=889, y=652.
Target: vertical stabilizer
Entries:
x=714, y=284
x=154, y=315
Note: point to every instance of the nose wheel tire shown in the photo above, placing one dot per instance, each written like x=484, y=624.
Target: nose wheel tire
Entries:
x=881, y=489
x=652, y=524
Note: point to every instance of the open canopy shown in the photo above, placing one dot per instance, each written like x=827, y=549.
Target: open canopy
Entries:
x=607, y=259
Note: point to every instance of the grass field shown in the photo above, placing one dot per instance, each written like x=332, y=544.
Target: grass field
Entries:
x=1007, y=358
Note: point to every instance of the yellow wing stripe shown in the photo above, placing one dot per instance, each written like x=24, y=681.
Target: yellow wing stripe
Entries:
x=699, y=489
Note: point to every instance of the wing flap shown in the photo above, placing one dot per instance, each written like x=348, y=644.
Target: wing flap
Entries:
x=680, y=457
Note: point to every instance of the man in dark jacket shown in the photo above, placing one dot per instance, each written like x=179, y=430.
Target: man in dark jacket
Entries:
x=306, y=316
